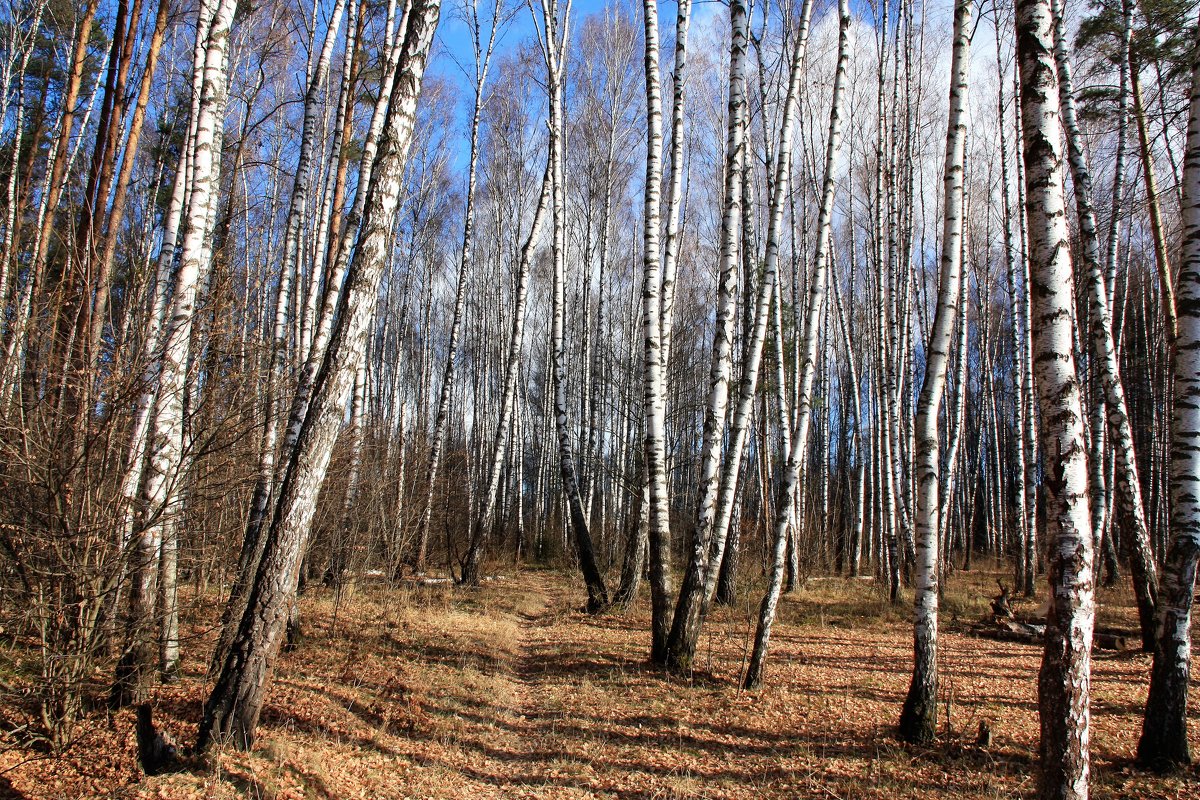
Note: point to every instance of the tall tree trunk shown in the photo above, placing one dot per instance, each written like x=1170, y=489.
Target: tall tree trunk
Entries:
x=265, y=480
x=855, y=406
x=1064, y=679
x=1164, y=740
x=1157, y=228
x=554, y=49
x=161, y=483
x=680, y=648
x=483, y=523
x=654, y=368
x=232, y=709
x=483, y=58
x=797, y=457
x=700, y=585
x=1019, y=322
x=1104, y=349
x=918, y=719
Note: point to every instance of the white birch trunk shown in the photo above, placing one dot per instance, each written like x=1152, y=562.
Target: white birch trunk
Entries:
x=232, y=710
x=1104, y=349
x=721, y=365
x=504, y=426
x=918, y=720
x=786, y=493
x=554, y=50
x=1164, y=740
x=653, y=365
x=1064, y=679
x=163, y=477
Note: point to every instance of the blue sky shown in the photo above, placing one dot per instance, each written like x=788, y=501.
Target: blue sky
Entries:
x=454, y=41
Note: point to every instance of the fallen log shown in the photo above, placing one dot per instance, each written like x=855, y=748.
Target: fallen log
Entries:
x=1034, y=633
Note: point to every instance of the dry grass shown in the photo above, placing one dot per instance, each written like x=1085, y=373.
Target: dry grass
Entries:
x=510, y=691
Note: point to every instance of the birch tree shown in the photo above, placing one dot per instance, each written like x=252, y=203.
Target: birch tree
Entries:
x=797, y=455
x=504, y=425
x=160, y=484
x=1164, y=739
x=918, y=719
x=1065, y=675
x=1104, y=349
x=232, y=709
x=553, y=39
x=482, y=43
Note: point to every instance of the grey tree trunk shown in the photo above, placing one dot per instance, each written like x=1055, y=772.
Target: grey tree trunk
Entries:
x=1164, y=740
x=654, y=408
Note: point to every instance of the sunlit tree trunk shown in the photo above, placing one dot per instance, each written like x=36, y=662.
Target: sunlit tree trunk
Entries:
x=681, y=645
x=504, y=426
x=554, y=43
x=1158, y=232
x=918, y=720
x=232, y=709
x=277, y=367
x=163, y=476
x=1064, y=679
x=797, y=457
x=1104, y=350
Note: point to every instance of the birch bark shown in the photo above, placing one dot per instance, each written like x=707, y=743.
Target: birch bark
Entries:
x=681, y=645
x=232, y=709
x=1164, y=740
x=1129, y=486
x=786, y=492
x=554, y=49
x=163, y=476
x=918, y=719
x=1064, y=679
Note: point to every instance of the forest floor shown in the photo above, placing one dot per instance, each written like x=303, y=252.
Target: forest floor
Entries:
x=512, y=691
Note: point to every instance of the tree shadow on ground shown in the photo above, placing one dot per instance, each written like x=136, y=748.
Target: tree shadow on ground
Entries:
x=8, y=791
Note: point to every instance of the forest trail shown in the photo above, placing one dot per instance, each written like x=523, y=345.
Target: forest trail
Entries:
x=511, y=691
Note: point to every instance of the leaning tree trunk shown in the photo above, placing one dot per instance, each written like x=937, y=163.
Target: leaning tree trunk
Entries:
x=264, y=484
x=1065, y=676
x=1164, y=741
x=231, y=711
x=1129, y=486
x=164, y=457
x=786, y=492
x=1157, y=227
x=680, y=647
x=918, y=719
x=483, y=523
x=554, y=50
x=287, y=275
